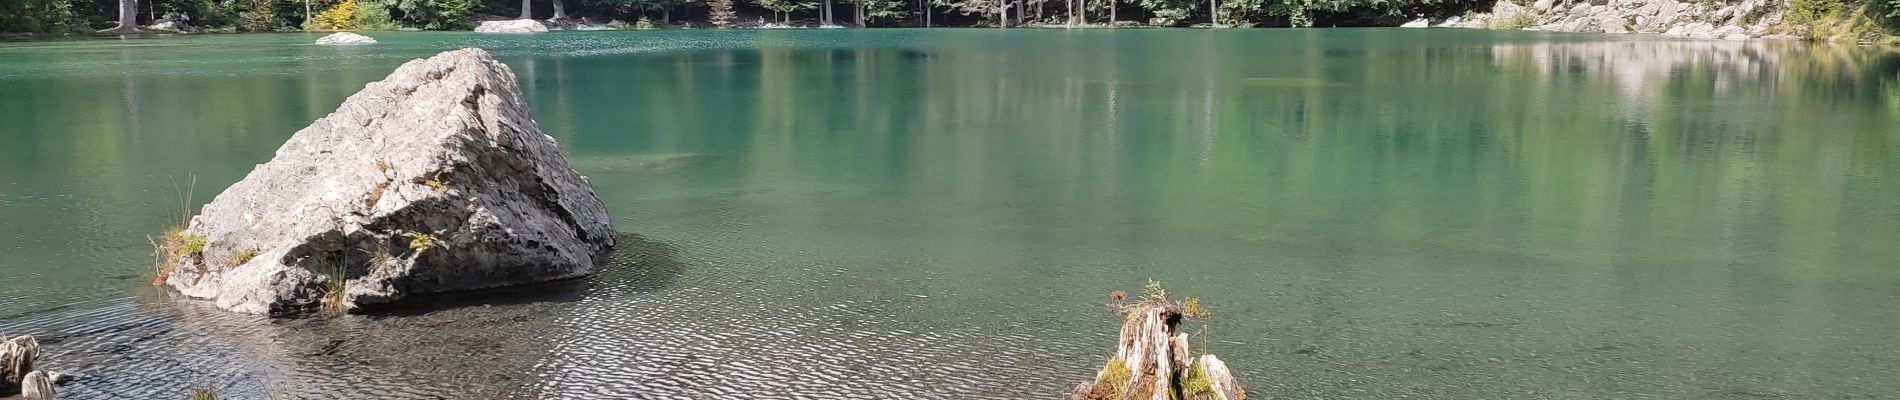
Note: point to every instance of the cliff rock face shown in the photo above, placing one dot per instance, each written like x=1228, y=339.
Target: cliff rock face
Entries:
x=344, y=38
x=512, y=26
x=435, y=179
x=1152, y=360
x=1701, y=20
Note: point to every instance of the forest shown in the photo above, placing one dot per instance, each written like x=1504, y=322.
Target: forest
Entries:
x=30, y=17
x=75, y=16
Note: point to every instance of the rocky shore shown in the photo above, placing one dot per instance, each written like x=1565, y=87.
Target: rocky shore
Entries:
x=1699, y=20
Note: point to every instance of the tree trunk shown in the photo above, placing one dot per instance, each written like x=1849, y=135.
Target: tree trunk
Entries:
x=1213, y=14
x=1111, y=12
x=826, y=21
x=666, y=16
x=526, y=13
x=560, y=13
x=128, y=15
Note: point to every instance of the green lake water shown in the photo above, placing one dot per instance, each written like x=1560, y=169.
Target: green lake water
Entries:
x=1368, y=213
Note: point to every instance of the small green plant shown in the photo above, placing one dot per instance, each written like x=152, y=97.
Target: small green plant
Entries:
x=1514, y=22
x=241, y=256
x=1196, y=381
x=171, y=246
x=194, y=246
x=382, y=166
x=437, y=181
x=1112, y=383
x=419, y=241
x=204, y=393
x=335, y=283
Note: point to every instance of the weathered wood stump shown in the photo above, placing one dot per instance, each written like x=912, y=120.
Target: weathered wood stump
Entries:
x=16, y=362
x=1152, y=360
x=37, y=386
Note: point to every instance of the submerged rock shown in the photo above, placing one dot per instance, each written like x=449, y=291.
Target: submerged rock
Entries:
x=17, y=356
x=1152, y=360
x=345, y=38
x=435, y=179
x=512, y=26
x=37, y=387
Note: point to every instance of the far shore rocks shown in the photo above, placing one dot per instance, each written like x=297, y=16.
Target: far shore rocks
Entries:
x=435, y=179
x=17, y=358
x=345, y=38
x=1152, y=360
x=512, y=26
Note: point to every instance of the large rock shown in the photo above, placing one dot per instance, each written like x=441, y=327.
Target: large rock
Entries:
x=1152, y=361
x=344, y=38
x=512, y=26
x=1417, y=23
x=435, y=179
x=17, y=356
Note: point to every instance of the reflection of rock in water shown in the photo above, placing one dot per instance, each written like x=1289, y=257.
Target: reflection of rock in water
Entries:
x=1644, y=69
x=472, y=345
x=656, y=164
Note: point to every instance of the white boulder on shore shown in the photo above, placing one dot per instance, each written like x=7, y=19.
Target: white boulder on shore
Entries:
x=435, y=179
x=512, y=26
x=345, y=38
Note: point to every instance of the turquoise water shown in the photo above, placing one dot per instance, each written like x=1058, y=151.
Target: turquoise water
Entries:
x=1369, y=213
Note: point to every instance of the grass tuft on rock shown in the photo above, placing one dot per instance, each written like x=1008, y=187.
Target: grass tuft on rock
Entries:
x=334, y=285
x=171, y=247
x=203, y=393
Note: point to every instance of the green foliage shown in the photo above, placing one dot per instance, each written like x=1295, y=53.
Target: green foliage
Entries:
x=37, y=16
x=420, y=241
x=373, y=15
x=204, y=393
x=259, y=16
x=335, y=283
x=1514, y=22
x=645, y=24
x=437, y=14
x=338, y=17
x=194, y=246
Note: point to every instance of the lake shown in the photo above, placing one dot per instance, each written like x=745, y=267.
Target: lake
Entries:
x=1368, y=213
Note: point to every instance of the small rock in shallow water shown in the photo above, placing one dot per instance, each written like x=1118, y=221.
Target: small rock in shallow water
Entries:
x=344, y=38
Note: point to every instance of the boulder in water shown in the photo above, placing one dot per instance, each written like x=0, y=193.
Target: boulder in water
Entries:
x=345, y=38
x=512, y=26
x=1152, y=360
x=1417, y=23
x=435, y=179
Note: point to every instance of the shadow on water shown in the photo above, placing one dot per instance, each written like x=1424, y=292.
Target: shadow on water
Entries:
x=638, y=263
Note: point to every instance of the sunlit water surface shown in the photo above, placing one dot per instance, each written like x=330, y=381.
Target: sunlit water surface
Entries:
x=1370, y=214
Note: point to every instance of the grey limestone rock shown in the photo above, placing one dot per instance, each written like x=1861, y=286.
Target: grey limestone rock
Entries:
x=435, y=179
x=512, y=26
x=344, y=38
